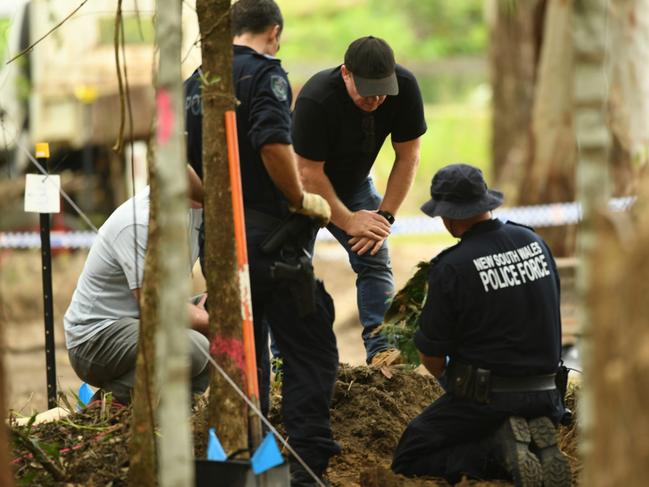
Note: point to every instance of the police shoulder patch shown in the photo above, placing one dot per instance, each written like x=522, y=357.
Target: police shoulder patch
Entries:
x=279, y=87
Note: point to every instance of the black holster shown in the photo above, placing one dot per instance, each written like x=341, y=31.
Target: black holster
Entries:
x=562, y=386
x=467, y=381
x=293, y=266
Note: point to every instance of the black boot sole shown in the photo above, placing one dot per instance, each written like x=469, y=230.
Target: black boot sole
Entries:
x=555, y=465
x=514, y=440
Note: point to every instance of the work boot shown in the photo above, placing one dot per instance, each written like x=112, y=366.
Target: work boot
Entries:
x=391, y=356
x=301, y=478
x=512, y=441
x=555, y=465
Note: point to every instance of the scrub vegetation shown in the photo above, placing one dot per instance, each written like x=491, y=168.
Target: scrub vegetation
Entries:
x=71, y=448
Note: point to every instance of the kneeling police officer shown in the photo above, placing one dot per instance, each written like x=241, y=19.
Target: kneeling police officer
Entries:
x=492, y=309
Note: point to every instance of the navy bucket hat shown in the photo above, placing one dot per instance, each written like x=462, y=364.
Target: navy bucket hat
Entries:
x=459, y=191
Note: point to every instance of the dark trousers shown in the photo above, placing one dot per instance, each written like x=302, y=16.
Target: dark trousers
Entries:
x=452, y=436
x=309, y=353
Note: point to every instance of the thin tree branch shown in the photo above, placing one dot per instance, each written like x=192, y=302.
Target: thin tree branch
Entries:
x=39, y=455
x=118, y=147
x=31, y=46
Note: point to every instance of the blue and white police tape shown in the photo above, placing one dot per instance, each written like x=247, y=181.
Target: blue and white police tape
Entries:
x=538, y=216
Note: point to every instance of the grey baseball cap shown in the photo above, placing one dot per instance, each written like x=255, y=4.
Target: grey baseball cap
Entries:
x=371, y=62
x=459, y=191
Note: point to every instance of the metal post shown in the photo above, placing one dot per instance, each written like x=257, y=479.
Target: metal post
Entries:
x=42, y=155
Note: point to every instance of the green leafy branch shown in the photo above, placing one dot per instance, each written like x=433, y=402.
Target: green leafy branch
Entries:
x=402, y=318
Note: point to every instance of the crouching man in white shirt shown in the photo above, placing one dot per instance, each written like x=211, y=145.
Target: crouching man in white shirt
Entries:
x=102, y=323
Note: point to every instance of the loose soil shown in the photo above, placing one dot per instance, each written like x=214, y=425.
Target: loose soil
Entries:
x=369, y=409
x=369, y=412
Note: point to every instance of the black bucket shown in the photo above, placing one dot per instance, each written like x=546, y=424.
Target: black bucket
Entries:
x=238, y=473
x=231, y=473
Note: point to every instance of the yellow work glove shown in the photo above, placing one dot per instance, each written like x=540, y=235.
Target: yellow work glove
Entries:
x=316, y=207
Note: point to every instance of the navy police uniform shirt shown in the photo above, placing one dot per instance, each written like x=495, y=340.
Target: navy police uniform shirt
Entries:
x=263, y=117
x=493, y=302
x=329, y=127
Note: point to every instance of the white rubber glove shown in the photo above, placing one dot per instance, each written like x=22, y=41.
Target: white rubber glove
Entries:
x=315, y=206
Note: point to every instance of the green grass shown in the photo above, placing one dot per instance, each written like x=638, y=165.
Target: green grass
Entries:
x=456, y=133
x=322, y=29
x=323, y=32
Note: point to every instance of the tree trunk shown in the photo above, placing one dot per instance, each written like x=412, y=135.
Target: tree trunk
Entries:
x=515, y=41
x=142, y=447
x=226, y=409
x=537, y=166
x=617, y=451
x=628, y=103
x=593, y=137
x=175, y=447
x=6, y=475
x=550, y=175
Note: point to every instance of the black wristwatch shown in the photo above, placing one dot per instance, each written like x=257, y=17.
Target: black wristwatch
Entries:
x=387, y=215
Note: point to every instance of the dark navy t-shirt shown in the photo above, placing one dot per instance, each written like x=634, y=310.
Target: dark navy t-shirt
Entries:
x=329, y=127
x=493, y=302
x=263, y=117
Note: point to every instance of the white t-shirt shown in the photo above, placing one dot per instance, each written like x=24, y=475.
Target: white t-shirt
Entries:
x=104, y=293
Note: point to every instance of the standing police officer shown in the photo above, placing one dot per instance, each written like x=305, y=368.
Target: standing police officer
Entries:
x=342, y=117
x=271, y=190
x=493, y=309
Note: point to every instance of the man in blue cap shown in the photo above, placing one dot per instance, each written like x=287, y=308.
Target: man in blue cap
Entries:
x=492, y=308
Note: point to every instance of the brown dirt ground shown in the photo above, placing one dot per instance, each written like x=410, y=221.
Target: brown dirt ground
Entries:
x=369, y=412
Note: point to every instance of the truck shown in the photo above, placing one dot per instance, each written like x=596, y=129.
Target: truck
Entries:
x=65, y=90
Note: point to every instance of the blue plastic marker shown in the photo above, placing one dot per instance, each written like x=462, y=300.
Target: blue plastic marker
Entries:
x=267, y=455
x=85, y=394
x=215, y=451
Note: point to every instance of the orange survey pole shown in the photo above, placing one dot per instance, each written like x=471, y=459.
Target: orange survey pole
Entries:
x=252, y=385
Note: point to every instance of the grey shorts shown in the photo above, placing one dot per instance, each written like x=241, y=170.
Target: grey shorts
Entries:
x=107, y=360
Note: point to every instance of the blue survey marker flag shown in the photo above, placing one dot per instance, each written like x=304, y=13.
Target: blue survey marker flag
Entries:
x=267, y=455
x=85, y=394
x=215, y=451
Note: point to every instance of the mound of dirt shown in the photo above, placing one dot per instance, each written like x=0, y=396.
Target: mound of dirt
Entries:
x=369, y=412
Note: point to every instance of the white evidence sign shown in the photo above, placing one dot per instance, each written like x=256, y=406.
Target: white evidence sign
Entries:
x=42, y=193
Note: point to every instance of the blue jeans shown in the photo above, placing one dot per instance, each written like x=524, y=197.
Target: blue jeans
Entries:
x=374, y=281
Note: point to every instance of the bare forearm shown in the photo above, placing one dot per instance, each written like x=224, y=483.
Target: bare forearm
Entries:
x=401, y=176
x=279, y=160
x=320, y=184
x=361, y=223
x=198, y=318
